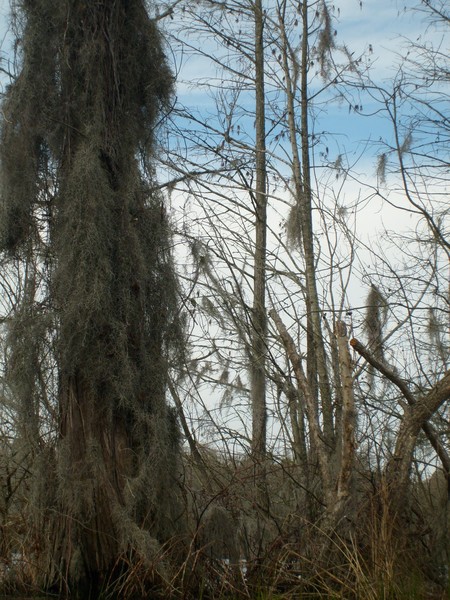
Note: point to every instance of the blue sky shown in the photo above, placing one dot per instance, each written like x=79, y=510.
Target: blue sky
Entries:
x=383, y=26
x=380, y=23
x=380, y=29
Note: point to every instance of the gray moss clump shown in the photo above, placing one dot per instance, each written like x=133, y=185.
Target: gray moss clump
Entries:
x=76, y=154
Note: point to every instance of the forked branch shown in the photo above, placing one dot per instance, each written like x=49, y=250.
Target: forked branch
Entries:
x=424, y=408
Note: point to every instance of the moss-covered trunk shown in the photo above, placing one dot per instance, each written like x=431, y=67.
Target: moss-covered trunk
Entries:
x=84, y=109
x=86, y=540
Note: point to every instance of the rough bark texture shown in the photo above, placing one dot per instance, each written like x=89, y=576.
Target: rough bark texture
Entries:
x=259, y=317
x=347, y=432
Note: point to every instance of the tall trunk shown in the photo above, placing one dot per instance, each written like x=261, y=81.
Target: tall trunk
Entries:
x=346, y=435
x=316, y=339
x=259, y=320
x=94, y=79
x=86, y=540
x=317, y=371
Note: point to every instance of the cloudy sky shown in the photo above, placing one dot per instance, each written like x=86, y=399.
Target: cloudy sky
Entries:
x=377, y=28
x=384, y=25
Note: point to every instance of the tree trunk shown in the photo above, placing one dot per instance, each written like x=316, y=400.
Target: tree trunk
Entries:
x=317, y=370
x=416, y=417
x=86, y=541
x=316, y=433
x=259, y=318
x=93, y=82
x=339, y=507
x=398, y=469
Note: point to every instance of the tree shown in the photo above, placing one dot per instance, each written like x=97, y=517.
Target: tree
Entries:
x=82, y=115
x=412, y=172
x=332, y=405
x=259, y=317
x=292, y=89
x=335, y=408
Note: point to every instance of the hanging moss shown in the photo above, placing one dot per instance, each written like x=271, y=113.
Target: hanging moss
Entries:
x=293, y=228
x=325, y=43
x=374, y=321
x=83, y=112
x=381, y=168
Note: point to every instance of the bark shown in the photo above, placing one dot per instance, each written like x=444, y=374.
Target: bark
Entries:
x=197, y=457
x=415, y=417
x=336, y=482
x=86, y=541
x=310, y=404
x=347, y=433
x=258, y=374
x=316, y=355
x=259, y=317
x=296, y=415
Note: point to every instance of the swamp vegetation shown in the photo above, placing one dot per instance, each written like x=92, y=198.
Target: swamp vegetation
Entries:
x=332, y=479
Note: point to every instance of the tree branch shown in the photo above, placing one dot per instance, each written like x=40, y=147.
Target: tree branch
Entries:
x=384, y=370
x=303, y=384
x=427, y=406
